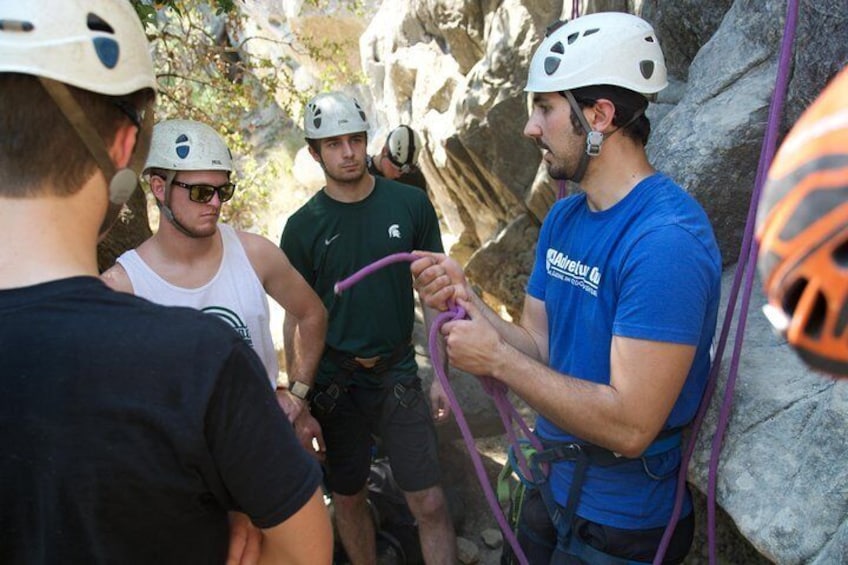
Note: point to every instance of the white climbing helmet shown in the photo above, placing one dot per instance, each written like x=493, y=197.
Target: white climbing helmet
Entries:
x=333, y=113
x=611, y=48
x=95, y=45
x=186, y=145
x=403, y=146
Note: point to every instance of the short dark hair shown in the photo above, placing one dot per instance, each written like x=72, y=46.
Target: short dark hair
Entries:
x=39, y=147
x=627, y=103
x=315, y=144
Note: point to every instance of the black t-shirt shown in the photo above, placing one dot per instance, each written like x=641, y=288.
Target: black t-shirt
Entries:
x=128, y=430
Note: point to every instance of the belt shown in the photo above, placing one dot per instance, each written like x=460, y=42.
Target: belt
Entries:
x=377, y=364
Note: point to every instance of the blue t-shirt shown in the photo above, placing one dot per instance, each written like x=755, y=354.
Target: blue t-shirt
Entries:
x=646, y=268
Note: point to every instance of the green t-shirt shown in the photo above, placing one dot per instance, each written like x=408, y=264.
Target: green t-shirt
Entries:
x=327, y=241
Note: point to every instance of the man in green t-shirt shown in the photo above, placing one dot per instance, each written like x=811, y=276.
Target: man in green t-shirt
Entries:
x=367, y=383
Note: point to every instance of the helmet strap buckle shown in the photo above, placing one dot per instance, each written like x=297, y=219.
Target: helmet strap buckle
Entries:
x=594, y=140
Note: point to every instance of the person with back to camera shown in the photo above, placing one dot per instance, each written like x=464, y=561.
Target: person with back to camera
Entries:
x=367, y=382
x=129, y=429
x=613, y=346
x=193, y=260
x=398, y=159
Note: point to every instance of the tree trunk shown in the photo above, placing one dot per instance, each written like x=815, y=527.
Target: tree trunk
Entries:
x=131, y=228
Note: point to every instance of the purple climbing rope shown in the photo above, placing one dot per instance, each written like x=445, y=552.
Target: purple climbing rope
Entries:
x=345, y=284
x=748, y=254
x=497, y=390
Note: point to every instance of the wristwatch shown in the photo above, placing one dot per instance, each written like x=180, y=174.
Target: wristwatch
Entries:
x=299, y=389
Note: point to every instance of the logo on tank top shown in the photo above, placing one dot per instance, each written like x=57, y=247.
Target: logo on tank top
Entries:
x=560, y=266
x=232, y=319
x=394, y=231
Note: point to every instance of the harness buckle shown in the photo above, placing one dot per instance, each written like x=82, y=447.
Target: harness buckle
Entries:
x=559, y=452
x=569, y=451
x=325, y=400
x=406, y=396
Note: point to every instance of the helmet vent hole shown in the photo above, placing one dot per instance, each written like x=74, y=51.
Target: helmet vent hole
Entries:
x=650, y=39
x=841, y=319
x=96, y=23
x=558, y=47
x=840, y=255
x=551, y=65
x=815, y=321
x=793, y=295
x=646, y=68
x=572, y=38
x=16, y=25
x=591, y=31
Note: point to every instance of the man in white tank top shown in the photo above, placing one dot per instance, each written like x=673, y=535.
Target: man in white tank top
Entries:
x=194, y=261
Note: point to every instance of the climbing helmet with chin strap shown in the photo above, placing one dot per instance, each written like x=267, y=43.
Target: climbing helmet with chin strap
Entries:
x=802, y=229
x=188, y=145
x=607, y=48
x=333, y=114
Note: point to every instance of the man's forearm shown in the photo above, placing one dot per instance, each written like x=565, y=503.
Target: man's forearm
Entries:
x=304, y=344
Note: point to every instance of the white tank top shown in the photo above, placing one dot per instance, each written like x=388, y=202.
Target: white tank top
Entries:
x=235, y=294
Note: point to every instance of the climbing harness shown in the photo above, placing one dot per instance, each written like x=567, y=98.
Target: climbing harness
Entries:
x=325, y=397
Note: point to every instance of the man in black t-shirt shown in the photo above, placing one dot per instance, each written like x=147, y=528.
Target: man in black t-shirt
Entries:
x=129, y=430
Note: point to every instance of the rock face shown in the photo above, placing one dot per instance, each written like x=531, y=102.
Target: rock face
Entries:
x=455, y=70
x=781, y=473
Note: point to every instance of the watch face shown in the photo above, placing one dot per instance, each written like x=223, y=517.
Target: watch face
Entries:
x=299, y=389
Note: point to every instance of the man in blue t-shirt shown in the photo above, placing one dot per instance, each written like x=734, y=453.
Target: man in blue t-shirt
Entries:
x=613, y=346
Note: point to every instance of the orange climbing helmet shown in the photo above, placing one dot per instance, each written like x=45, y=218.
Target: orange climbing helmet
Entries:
x=802, y=227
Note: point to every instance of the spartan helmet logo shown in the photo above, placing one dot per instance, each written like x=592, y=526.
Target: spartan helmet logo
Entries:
x=394, y=231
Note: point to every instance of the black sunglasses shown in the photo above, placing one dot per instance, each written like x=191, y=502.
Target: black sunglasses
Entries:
x=203, y=192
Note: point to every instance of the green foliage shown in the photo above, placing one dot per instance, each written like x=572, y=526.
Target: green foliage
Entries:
x=208, y=70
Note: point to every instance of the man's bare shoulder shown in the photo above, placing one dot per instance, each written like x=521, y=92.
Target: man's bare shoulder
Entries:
x=257, y=246
x=117, y=279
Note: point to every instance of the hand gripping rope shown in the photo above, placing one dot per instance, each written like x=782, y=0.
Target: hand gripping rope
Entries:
x=497, y=390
